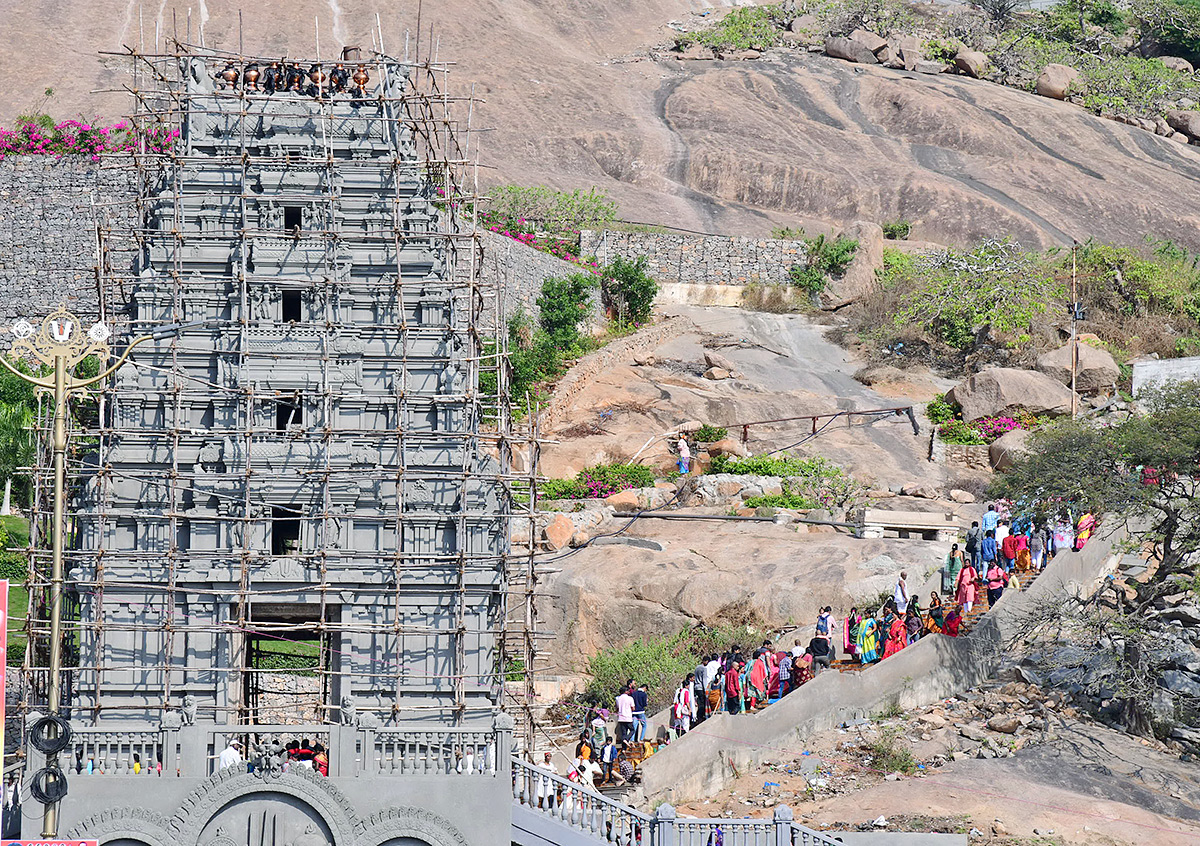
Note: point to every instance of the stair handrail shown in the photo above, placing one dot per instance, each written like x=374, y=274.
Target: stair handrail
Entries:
x=590, y=812
x=579, y=806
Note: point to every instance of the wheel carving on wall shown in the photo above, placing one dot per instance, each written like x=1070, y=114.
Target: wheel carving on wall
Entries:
x=408, y=822
x=316, y=791
x=138, y=824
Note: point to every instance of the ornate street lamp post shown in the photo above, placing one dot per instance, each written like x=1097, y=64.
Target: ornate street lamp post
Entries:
x=62, y=342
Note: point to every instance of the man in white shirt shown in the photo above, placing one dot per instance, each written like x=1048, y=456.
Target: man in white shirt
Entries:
x=900, y=594
x=710, y=671
x=624, y=716
x=231, y=755
x=546, y=791
x=1002, y=531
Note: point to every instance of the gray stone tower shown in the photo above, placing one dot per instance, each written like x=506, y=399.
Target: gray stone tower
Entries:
x=307, y=467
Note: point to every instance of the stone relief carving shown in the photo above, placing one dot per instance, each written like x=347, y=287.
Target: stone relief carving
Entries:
x=403, y=821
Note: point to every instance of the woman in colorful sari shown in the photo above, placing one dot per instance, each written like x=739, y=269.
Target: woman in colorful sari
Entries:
x=953, y=621
x=935, y=620
x=867, y=640
x=1024, y=560
x=965, y=590
x=897, y=637
x=802, y=670
x=1087, y=523
x=759, y=674
x=850, y=632
x=913, y=626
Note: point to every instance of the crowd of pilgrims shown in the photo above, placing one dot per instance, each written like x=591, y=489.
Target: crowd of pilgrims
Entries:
x=282, y=76
x=996, y=553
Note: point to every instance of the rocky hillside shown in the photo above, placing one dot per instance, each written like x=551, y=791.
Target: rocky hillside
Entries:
x=575, y=99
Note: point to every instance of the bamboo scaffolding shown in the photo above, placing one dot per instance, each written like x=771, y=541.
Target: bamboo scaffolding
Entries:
x=424, y=117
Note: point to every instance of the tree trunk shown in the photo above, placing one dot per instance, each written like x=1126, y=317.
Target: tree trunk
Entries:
x=1135, y=711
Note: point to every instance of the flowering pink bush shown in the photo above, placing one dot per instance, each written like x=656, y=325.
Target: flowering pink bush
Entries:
x=992, y=428
x=76, y=138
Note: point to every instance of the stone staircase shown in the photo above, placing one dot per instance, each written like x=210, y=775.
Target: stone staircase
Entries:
x=970, y=621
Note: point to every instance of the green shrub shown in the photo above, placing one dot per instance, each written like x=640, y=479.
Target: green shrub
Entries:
x=996, y=284
x=628, y=290
x=897, y=230
x=533, y=359
x=940, y=50
x=15, y=654
x=660, y=662
x=960, y=432
x=889, y=755
x=941, y=410
x=793, y=501
x=816, y=482
x=563, y=489
x=514, y=670
x=842, y=17
x=563, y=305
x=14, y=566
x=897, y=267
x=516, y=207
x=599, y=481
x=824, y=258
x=787, y=233
x=707, y=434
x=744, y=28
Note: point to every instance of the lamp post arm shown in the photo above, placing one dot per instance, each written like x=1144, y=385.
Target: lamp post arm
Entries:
x=83, y=383
x=41, y=383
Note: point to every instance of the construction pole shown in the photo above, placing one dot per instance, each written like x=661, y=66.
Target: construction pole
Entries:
x=1074, y=331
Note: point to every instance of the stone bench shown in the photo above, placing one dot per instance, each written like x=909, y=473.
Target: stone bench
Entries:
x=939, y=526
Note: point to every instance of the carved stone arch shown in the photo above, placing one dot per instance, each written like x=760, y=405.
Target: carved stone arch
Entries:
x=228, y=785
x=116, y=824
x=407, y=822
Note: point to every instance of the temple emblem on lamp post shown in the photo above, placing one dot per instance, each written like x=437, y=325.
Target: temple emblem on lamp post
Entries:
x=60, y=335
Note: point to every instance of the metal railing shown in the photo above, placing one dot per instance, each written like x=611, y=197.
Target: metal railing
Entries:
x=589, y=812
x=579, y=807
x=349, y=751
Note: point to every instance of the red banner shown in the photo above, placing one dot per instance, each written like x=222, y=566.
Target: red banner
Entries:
x=4, y=653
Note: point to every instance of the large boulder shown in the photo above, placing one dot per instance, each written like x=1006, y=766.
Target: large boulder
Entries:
x=1186, y=121
x=850, y=50
x=908, y=49
x=1177, y=64
x=1057, y=81
x=971, y=62
x=860, y=275
x=559, y=531
x=804, y=24
x=1095, y=370
x=1008, y=448
x=1006, y=390
x=875, y=43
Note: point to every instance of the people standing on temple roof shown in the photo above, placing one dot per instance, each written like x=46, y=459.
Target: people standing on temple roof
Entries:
x=231, y=755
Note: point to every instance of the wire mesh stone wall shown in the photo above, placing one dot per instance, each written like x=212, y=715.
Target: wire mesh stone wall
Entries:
x=698, y=259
